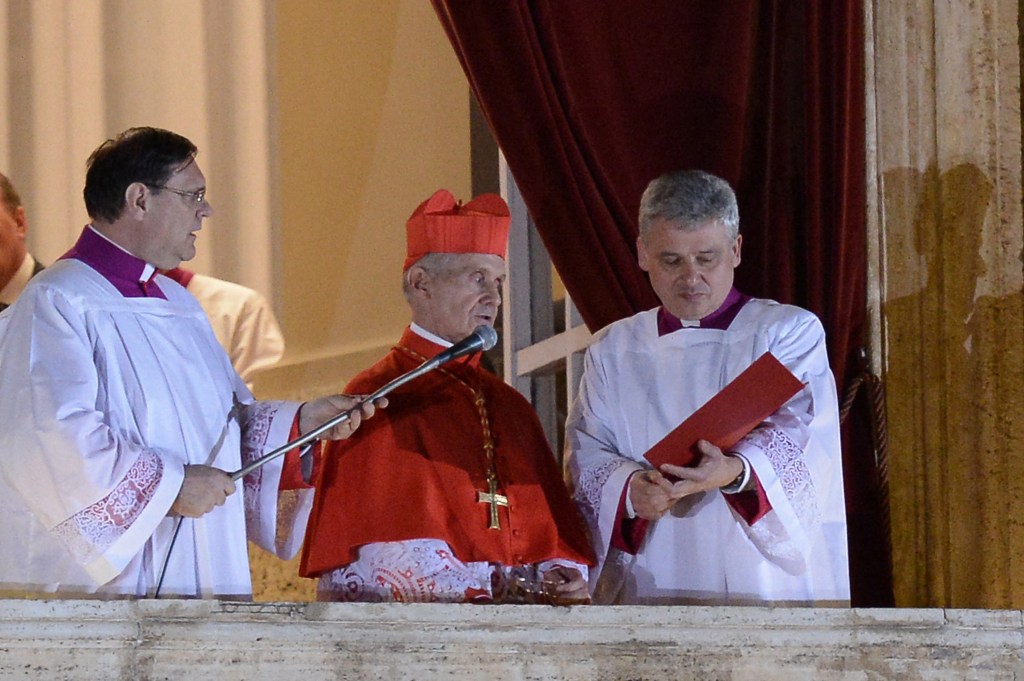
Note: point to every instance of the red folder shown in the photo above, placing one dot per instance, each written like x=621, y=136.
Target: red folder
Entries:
x=737, y=409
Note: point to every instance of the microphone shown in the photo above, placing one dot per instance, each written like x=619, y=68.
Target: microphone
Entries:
x=483, y=338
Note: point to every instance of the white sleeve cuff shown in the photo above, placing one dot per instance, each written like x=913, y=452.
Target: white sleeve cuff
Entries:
x=630, y=511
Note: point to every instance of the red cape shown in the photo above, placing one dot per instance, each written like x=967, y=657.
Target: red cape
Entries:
x=413, y=472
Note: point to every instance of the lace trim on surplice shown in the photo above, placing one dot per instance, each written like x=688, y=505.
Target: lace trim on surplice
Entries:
x=256, y=422
x=769, y=534
x=91, y=531
x=787, y=459
x=589, y=488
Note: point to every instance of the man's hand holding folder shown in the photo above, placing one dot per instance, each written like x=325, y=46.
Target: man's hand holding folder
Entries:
x=691, y=458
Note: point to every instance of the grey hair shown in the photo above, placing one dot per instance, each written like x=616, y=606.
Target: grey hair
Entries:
x=691, y=198
x=433, y=263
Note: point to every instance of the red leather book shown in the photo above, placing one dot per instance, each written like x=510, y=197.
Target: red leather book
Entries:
x=737, y=409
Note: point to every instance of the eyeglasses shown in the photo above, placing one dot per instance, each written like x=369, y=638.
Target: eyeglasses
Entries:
x=199, y=195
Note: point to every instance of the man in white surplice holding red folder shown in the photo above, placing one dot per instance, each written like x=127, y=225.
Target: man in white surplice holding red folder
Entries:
x=762, y=521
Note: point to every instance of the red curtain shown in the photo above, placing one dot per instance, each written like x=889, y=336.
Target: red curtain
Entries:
x=591, y=99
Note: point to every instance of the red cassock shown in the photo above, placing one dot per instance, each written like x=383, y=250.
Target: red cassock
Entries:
x=415, y=469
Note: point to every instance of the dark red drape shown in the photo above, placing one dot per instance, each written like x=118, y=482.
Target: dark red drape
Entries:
x=591, y=99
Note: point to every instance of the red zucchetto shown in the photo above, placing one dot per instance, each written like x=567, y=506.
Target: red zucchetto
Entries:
x=442, y=225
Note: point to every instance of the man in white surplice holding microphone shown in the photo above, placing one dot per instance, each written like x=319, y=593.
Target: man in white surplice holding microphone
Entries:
x=761, y=523
x=123, y=417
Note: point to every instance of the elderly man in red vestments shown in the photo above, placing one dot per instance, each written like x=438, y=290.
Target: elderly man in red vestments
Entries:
x=453, y=495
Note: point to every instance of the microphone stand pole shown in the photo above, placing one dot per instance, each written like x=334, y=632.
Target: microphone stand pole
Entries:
x=340, y=418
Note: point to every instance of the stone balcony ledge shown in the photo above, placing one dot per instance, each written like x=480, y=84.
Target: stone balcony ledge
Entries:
x=175, y=639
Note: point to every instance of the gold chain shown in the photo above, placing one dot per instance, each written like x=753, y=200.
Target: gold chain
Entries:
x=491, y=496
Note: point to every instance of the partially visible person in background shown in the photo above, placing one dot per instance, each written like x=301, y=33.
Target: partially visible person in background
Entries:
x=17, y=265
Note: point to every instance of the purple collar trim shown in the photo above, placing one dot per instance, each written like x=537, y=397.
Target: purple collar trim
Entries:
x=119, y=267
x=719, y=319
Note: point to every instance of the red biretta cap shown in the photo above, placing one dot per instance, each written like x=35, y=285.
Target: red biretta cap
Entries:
x=442, y=225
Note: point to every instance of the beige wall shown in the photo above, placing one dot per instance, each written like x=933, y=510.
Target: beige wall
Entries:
x=372, y=114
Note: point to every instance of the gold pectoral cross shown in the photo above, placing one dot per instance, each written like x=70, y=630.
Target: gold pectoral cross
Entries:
x=495, y=500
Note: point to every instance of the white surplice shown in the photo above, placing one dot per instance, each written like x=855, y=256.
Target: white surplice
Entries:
x=636, y=387
x=104, y=400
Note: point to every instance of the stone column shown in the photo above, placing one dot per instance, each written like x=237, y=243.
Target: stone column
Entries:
x=944, y=140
